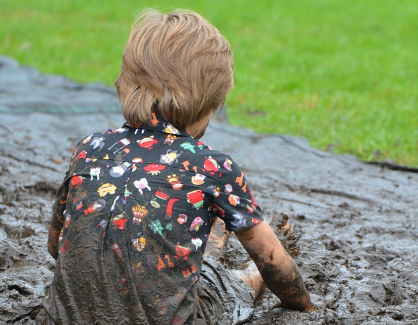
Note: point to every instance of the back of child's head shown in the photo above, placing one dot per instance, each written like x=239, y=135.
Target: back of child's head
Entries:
x=177, y=65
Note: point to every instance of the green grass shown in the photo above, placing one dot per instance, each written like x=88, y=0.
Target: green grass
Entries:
x=342, y=74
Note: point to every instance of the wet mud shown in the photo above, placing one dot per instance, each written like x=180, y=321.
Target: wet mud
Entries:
x=357, y=223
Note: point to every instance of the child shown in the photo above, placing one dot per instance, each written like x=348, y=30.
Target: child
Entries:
x=133, y=216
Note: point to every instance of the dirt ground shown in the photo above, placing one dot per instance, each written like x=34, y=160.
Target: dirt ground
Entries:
x=357, y=222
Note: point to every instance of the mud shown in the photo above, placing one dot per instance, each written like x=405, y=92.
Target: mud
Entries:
x=357, y=222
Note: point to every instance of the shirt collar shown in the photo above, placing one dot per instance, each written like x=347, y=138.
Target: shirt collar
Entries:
x=161, y=126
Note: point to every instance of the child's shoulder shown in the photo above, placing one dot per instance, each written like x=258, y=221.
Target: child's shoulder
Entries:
x=201, y=158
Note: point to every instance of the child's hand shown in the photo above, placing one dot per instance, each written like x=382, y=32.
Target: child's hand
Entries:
x=284, y=231
x=311, y=308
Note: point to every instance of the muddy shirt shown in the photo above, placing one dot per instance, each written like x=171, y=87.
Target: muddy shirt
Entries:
x=136, y=209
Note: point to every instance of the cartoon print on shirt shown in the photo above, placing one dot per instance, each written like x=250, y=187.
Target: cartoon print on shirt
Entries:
x=186, y=164
x=233, y=199
x=91, y=159
x=122, y=143
x=154, y=169
x=87, y=139
x=170, y=139
x=182, y=218
x=96, y=206
x=95, y=172
x=139, y=243
x=98, y=142
x=137, y=160
x=147, y=142
x=64, y=247
x=175, y=182
x=127, y=193
x=161, y=265
x=119, y=170
x=215, y=190
x=239, y=221
x=139, y=212
x=120, y=130
x=142, y=184
x=188, y=146
x=255, y=221
x=82, y=154
x=116, y=251
x=198, y=179
x=244, y=188
x=169, y=209
x=67, y=220
x=169, y=128
x=154, y=203
x=102, y=224
x=139, y=268
x=240, y=179
x=154, y=119
x=169, y=157
x=161, y=195
x=216, y=210
x=211, y=165
x=76, y=180
x=197, y=242
x=197, y=222
x=106, y=188
x=182, y=252
x=191, y=272
x=200, y=145
x=255, y=205
x=228, y=164
x=228, y=188
x=119, y=221
x=119, y=156
x=79, y=206
x=196, y=198
x=156, y=227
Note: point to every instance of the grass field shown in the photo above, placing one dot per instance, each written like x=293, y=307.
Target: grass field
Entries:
x=342, y=74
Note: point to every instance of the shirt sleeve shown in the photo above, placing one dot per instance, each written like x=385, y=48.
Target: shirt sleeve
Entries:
x=232, y=198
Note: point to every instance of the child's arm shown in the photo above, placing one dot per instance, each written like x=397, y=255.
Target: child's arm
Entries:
x=53, y=241
x=276, y=266
x=57, y=220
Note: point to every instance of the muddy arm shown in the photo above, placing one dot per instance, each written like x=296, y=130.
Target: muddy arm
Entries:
x=276, y=266
x=55, y=226
x=53, y=241
x=57, y=220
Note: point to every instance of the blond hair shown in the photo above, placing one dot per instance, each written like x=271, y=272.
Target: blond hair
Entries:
x=175, y=64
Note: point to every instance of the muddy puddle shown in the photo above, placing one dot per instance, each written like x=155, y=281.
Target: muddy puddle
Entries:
x=357, y=222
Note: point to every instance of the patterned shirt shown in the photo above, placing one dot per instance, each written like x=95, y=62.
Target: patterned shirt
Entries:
x=136, y=209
